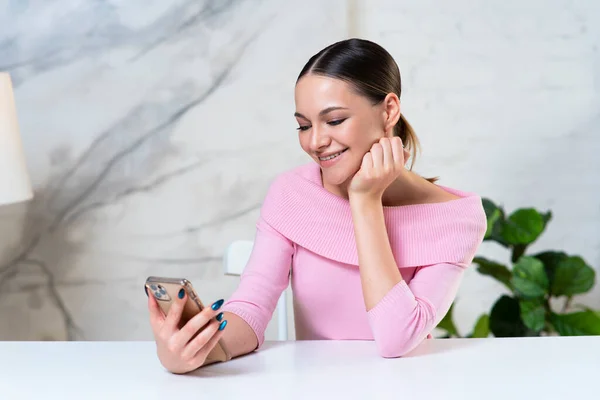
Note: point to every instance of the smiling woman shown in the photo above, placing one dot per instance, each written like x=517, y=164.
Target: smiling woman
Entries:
x=377, y=252
x=347, y=95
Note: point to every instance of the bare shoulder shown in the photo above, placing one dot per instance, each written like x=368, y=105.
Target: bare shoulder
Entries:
x=418, y=190
x=432, y=193
x=440, y=195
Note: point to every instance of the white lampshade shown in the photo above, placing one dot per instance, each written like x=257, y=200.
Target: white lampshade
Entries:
x=14, y=180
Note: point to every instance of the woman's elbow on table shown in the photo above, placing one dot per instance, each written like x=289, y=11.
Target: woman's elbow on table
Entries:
x=398, y=348
x=396, y=336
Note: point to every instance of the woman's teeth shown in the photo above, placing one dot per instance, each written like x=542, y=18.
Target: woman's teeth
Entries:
x=331, y=157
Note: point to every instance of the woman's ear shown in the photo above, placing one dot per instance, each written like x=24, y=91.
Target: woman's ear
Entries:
x=391, y=113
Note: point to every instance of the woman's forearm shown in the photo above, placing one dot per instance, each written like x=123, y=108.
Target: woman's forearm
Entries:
x=378, y=270
x=238, y=338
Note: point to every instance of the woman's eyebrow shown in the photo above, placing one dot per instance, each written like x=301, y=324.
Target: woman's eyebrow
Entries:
x=322, y=112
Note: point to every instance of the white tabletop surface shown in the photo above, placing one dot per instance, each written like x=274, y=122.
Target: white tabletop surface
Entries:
x=523, y=368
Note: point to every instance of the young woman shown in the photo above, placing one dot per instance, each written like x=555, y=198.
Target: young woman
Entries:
x=373, y=251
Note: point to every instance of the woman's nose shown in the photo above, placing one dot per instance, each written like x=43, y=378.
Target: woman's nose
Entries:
x=318, y=140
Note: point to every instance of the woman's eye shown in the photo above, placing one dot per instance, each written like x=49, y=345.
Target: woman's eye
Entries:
x=303, y=128
x=336, y=122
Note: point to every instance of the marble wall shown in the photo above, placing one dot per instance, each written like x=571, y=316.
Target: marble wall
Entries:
x=152, y=130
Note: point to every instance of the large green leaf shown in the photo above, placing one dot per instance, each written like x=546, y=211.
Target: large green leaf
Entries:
x=493, y=214
x=529, y=277
x=577, y=324
x=547, y=216
x=533, y=314
x=518, y=250
x=495, y=220
x=495, y=270
x=447, y=323
x=482, y=327
x=572, y=276
x=586, y=308
x=505, y=318
x=551, y=259
x=523, y=227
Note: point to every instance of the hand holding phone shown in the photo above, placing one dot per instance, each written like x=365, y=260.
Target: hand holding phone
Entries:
x=187, y=334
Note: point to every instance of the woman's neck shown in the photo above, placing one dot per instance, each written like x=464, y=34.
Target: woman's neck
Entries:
x=414, y=189
x=410, y=189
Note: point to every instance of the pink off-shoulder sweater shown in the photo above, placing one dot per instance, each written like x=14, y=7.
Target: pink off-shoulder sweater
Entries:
x=305, y=234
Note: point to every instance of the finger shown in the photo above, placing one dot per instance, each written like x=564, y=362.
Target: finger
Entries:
x=377, y=155
x=156, y=315
x=198, y=322
x=367, y=162
x=406, y=156
x=192, y=348
x=397, y=151
x=388, y=157
x=200, y=357
x=174, y=315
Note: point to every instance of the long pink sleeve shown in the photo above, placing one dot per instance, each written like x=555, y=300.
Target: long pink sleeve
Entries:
x=408, y=313
x=264, y=278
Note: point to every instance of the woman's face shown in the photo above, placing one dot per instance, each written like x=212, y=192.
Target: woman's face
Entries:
x=337, y=127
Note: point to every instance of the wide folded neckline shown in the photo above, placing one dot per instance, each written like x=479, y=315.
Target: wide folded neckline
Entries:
x=301, y=209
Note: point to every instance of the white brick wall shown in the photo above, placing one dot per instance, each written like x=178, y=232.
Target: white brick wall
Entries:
x=505, y=96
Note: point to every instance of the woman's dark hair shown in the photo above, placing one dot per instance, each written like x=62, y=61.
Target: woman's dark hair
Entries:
x=371, y=71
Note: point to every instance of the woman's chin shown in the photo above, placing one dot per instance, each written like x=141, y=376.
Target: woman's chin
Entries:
x=334, y=178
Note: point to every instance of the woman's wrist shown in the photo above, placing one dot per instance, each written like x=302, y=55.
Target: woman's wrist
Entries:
x=366, y=209
x=360, y=201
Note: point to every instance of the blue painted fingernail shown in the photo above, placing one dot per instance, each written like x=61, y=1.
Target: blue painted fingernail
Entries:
x=220, y=316
x=181, y=293
x=223, y=325
x=217, y=304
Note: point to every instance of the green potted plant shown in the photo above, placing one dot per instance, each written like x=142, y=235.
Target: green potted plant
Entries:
x=535, y=283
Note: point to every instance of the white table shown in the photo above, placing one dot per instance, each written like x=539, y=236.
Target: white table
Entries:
x=525, y=368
